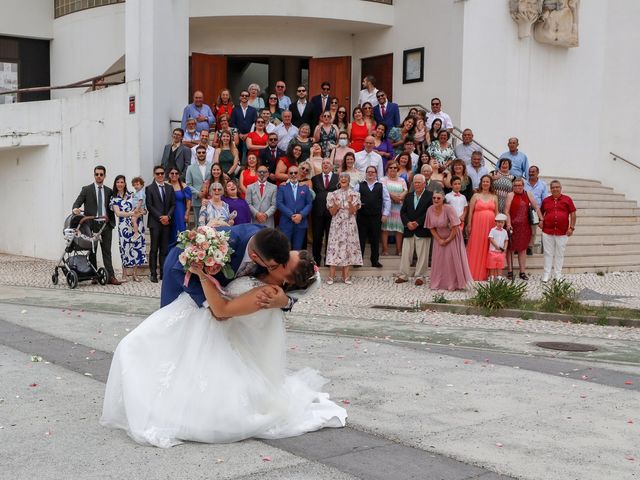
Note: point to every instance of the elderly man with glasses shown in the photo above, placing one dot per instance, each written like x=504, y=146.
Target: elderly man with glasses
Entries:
x=283, y=100
x=261, y=198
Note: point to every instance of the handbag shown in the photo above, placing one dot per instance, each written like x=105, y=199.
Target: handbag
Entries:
x=533, y=216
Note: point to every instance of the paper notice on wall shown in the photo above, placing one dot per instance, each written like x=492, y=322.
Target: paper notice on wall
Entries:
x=8, y=81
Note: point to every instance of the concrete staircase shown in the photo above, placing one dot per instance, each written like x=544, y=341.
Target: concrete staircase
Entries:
x=607, y=236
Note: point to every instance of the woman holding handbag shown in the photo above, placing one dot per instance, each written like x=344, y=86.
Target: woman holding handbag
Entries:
x=518, y=207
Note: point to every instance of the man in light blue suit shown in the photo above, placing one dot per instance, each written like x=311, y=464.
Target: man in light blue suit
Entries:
x=294, y=203
x=197, y=174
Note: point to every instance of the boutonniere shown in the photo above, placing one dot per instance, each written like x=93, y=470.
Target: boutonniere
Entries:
x=301, y=192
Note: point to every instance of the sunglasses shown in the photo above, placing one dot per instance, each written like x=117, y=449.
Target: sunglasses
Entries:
x=98, y=174
x=244, y=95
x=273, y=98
x=216, y=189
x=263, y=172
x=279, y=86
x=343, y=113
x=304, y=169
x=157, y=174
x=293, y=173
x=260, y=121
x=379, y=96
x=301, y=91
x=326, y=88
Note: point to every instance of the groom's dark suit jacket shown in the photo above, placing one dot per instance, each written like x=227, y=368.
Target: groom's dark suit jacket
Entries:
x=173, y=281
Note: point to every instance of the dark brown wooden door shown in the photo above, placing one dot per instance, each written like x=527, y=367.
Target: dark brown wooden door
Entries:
x=336, y=71
x=380, y=67
x=209, y=75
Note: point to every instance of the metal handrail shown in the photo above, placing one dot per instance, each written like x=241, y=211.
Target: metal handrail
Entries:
x=92, y=83
x=616, y=156
x=458, y=135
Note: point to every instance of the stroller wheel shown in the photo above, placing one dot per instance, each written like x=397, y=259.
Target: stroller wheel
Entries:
x=72, y=279
x=103, y=276
x=54, y=278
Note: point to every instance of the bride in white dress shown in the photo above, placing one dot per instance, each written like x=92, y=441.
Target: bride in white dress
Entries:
x=182, y=375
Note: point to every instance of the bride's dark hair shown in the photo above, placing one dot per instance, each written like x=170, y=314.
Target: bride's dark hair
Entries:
x=304, y=274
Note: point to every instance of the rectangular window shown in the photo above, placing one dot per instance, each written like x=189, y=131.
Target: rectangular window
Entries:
x=8, y=81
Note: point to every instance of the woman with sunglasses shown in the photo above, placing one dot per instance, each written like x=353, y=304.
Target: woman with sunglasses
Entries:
x=333, y=108
x=223, y=106
x=274, y=109
x=367, y=111
x=183, y=205
x=326, y=134
x=258, y=139
x=358, y=130
x=341, y=119
x=216, y=213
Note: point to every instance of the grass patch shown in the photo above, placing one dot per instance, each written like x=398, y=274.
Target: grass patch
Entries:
x=559, y=296
x=439, y=298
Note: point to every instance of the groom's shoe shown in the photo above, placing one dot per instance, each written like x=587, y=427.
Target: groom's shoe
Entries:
x=153, y=278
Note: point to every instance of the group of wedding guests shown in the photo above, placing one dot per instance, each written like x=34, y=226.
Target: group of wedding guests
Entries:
x=303, y=167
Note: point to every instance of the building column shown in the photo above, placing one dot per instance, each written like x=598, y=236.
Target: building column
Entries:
x=157, y=73
x=292, y=76
x=276, y=72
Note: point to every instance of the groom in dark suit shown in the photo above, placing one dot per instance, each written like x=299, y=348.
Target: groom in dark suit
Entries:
x=96, y=197
x=256, y=249
x=161, y=202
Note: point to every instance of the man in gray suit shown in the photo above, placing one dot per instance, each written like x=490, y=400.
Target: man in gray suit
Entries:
x=197, y=174
x=175, y=154
x=261, y=197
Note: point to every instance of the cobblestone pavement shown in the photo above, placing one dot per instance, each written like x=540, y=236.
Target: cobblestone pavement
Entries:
x=355, y=301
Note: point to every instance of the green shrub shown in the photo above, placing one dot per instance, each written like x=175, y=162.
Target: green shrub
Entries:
x=499, y=293
x=559, y=296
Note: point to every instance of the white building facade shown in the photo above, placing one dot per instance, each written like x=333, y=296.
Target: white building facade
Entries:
x=570, y=107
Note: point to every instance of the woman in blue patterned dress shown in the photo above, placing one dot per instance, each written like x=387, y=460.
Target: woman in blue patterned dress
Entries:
x=131, y=251
x=397, y=188
x=183, y=206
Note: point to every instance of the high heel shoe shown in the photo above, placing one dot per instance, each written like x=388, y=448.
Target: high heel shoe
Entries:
x=524, y=276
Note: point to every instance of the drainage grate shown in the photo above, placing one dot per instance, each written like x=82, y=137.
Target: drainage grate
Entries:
x=567, y=346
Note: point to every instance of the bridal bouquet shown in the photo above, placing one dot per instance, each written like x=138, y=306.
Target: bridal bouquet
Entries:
x=207, y=249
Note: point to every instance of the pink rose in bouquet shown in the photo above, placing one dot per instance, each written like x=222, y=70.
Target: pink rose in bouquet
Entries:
x=206, y=249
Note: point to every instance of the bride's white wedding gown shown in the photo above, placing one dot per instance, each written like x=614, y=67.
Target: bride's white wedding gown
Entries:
x=181, y=376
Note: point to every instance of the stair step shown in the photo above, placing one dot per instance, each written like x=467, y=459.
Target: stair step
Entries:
x=600, y=249
x=604, y=225
x=589, y=196
x=609, y=212
x=573, y=182
x=572, y=190
x=605, y=240
x=602, y=204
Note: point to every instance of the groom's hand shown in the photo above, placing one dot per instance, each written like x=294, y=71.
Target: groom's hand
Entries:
x=272, y=296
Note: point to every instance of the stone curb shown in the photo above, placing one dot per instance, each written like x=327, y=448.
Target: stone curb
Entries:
x=528, y=314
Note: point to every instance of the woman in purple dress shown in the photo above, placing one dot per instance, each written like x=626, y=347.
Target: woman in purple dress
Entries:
x=236, y=204
x=449, y=265
x=382, y=145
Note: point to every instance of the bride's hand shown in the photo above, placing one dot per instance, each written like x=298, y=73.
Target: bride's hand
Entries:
x=272, y=296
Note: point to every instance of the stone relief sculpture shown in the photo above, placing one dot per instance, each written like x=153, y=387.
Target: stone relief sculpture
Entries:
x=558, y=24
x=525, y=13
x=554, y=22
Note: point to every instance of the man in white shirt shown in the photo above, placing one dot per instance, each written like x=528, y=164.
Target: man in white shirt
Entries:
x=204, y=141
x=436, y=112
x=476, y=170
x=369, y=91
x=285, y=131
x=467, y=147
x=268, y=126
x=376, y=205
x=368, y=157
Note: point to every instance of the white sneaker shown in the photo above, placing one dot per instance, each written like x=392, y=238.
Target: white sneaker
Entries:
x=329, y=281
x=545, y=279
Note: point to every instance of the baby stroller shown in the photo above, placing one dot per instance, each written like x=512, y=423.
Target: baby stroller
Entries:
x=81, y=241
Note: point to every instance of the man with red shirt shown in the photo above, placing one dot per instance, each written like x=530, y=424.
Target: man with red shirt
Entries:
x=558, y=224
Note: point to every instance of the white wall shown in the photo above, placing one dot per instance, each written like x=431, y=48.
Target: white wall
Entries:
x=27, y=18
x=567, y=106
x=435, y=25
x=85, y=44
x=38, y=184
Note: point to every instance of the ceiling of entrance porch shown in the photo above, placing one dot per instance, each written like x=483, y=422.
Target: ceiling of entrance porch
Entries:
x=349, y=16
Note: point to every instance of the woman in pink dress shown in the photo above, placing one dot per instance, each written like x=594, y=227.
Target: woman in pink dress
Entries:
x=358, y=130
x=483, y=209
x=449, y=266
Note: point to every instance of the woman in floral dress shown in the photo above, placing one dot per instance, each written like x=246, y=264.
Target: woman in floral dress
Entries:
x=503, y=182
x=131, y=251
x=397, y=188
x=343, y=246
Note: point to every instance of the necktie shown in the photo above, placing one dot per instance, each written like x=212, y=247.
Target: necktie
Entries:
x=383, y=110
x=324, y=103
x=326, y=181
x=273, y=155
x=294, y=189
x=161, y=190
x=456, y=194
x=262, y=189
x=100, y=203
